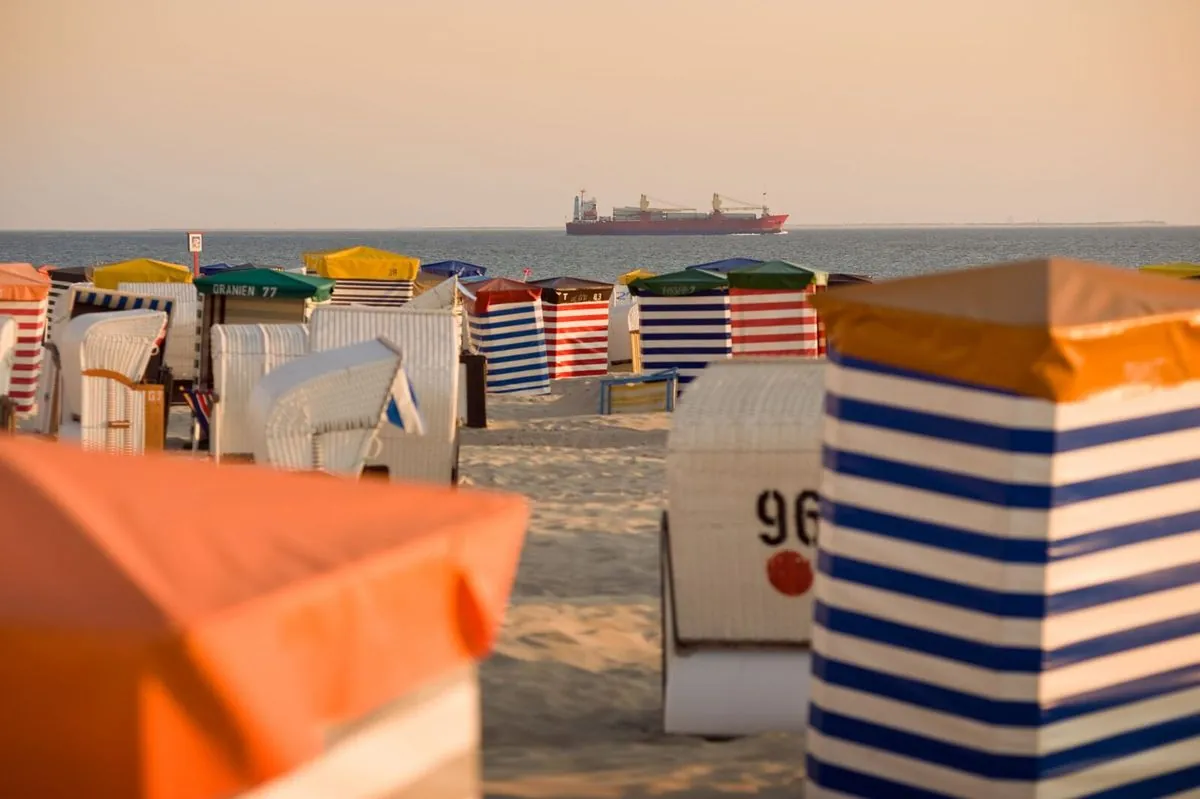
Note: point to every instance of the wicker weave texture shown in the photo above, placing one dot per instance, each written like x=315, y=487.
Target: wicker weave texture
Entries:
x=113, y=418
x=743, y=469
x=184, y=335
x=118, y=341
x=429, y=341
x=241, y=355
x=323, y=411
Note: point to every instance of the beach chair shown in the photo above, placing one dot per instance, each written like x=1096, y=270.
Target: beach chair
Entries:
x=325, y=411
x=430, y=340
x=116, y=343
x=737, y=548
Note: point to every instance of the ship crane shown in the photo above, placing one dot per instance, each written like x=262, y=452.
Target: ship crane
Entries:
x=718, y=205
x=644, y=205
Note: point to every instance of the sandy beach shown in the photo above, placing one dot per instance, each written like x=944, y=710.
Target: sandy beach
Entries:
x=572, y=695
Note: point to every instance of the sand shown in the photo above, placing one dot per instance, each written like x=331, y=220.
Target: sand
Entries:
x=572, y=693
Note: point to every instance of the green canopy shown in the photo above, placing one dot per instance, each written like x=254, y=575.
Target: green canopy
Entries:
x=679, y=284
x=781, y=275
x=266, y=283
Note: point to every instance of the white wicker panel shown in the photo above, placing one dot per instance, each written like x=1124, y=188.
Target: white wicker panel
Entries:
x=429, y=342
x=746, y=432
x=119, y=341
x=323, y=411
x=241, y=355
x=105, y=402
x=184, y=335
x=422, y=746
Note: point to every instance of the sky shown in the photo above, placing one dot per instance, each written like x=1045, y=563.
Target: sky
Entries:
x=176, y=114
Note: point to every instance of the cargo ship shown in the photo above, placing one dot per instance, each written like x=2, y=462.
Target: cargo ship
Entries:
x=644, y=220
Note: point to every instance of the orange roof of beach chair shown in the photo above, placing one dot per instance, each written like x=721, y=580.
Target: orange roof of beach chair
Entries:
x=159, y=649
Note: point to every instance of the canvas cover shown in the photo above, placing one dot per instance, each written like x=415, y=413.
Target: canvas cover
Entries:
x=500, y=291
x=1177, y=270
x=564, y=290
x=635, y=274
x=267, y=284
x=454, y=269
x=727, y=264
x=362, y=263
x=1085, y=327
x=772, y=276
x=679, y=284
x=139, y=270
x=282, y=605
x=23, y=283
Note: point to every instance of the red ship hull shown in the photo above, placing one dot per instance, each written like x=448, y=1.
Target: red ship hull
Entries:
x=711, y=225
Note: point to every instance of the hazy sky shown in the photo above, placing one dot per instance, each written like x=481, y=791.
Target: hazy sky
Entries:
x=212, y=114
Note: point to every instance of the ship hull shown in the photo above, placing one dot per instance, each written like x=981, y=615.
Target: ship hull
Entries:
x=707, y=226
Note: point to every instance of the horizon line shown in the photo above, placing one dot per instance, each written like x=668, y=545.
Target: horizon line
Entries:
x=540, y=228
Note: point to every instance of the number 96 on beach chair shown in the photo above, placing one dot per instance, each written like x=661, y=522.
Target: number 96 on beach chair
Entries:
x=738, y=548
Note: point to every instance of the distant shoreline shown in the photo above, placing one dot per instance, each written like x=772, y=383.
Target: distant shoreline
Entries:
x=841, y=226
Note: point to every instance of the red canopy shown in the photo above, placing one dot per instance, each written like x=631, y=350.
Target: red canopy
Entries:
x=499, y=291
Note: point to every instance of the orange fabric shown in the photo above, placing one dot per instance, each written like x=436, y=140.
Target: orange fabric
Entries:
x=176, y=630
x=23, y=283
x=1056, y=329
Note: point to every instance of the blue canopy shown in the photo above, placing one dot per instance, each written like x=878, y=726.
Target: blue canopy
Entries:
x=212, y=269
x=727, y=264
x=454, y=268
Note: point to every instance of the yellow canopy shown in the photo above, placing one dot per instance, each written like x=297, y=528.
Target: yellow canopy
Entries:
x=362, y=263
x=636, y=274
x=139, y=270
x=1179, y=270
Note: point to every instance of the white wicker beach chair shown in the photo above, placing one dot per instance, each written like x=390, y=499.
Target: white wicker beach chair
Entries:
x=241, y=355
x=8, y=351
x=431, y=342
x=325, y=411
x=738, y=548
x=119, y=415
x=117, y=342
x=183, y=339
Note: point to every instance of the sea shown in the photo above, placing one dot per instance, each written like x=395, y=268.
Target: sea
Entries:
x=876, y=252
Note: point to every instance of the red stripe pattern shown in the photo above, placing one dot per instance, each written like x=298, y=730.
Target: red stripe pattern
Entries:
x=821, y=345
x=771, y=322
x=27, y=365
x=576, y=338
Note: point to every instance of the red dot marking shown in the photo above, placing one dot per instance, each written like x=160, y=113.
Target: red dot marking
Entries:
x=790, y=573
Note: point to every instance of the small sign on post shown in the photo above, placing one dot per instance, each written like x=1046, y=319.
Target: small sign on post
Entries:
x=195, y=246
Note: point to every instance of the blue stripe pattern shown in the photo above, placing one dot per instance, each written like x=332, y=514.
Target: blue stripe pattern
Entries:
x=512, y=337
x=1007, y=635
x=681, y=333
x=123, y=301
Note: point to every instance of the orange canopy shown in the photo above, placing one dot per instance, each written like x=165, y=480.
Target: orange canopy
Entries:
x=1056, y=328
x=180, y=650
x=22, y=283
